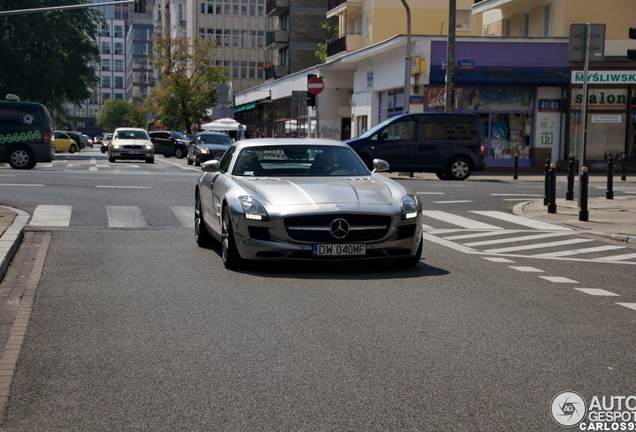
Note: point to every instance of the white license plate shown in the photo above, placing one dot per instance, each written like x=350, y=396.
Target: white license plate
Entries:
x=132, y=151
x=339, y=249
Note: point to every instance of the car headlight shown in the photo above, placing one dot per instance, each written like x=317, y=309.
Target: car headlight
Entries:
x=253, y=208
x=410, y=206
x=205, y=151
x=149, y=146
x=116, y=146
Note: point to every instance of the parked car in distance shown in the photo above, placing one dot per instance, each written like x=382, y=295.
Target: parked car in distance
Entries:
x=207, y=146
x=64, y=143
x=106, y=141
x=131, y=143
x=450, y=145
x=305, y=200
x=26, y=133
x=170, y=143
x=78, y=138
x=88, y=140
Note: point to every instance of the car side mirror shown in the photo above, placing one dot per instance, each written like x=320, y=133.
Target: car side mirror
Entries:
x=380, y=165
x=210, y=166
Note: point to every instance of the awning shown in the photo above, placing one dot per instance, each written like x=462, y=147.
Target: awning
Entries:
x=245, y=107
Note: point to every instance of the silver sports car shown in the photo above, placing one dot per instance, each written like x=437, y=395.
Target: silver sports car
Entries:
x=304, y=199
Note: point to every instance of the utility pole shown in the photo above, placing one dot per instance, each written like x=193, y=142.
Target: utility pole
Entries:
x=407, y=63
x=450, y=57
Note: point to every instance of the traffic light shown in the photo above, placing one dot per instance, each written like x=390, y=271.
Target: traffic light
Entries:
x=311, y=99
x=140, y=6
x=631, y=53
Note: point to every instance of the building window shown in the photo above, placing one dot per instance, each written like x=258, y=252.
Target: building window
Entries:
x=462, y=20
x=506, y=28
x=105, y=31
x=105, y=64
x=119, y=48
x=366, y=27
x=547, y=18
x=105, y=97
x=526, y=25
x=119, y=65
x=105, y=47
x=119, y=31
x=119, y=96
x=106, y=82
x=119, y=82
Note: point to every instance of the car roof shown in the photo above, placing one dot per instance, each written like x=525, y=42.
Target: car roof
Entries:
x=288, y=141
x=130, y=128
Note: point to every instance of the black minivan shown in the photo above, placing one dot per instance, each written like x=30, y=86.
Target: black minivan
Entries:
x=450, y=145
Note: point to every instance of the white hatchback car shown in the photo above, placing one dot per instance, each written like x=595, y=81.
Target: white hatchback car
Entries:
x=131, y=143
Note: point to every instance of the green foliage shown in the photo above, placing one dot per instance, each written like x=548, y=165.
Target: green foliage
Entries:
x=45, y=55
x=331, y=29
x=189, y=83
x=119, y=113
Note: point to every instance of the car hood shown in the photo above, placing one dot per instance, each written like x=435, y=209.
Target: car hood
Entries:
x=214, y=146
x=321, y=190
x=131, y=142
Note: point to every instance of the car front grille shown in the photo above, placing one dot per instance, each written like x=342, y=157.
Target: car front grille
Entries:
x=133, y=147
x=318, y=228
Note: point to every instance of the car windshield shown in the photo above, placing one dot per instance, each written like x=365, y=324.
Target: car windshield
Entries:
x=375, y=128
x=179, y=135
x=214, y=139
x=298, y=161
x=131, y=134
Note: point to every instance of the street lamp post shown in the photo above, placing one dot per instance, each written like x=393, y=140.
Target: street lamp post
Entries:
x=407, y=63
x=450, y=58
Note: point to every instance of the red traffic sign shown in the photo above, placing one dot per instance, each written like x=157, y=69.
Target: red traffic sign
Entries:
x=315, y=85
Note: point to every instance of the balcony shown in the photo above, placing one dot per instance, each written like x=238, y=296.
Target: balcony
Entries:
x=276, y=39
x=344, y=44
x=276, y=7
x=274, y=72
x=347, y=7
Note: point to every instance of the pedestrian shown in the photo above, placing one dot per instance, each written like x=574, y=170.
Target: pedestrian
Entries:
x=259, y=133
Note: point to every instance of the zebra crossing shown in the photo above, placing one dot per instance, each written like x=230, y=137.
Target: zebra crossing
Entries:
x=492, y=233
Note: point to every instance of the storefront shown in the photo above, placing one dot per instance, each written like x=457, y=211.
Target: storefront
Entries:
x=610, y=117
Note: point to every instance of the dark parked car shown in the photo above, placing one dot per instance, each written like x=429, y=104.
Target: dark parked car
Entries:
x=105, y=141
x=170, y=143
x=207, y=146
x=78, y=138
x=448, y=144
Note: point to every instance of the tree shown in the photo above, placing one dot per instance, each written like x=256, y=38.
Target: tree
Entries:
x=189, y=84
x=331, y=29
x=119, y=113
x=45, y=56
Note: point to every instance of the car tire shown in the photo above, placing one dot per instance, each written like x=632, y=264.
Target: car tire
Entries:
x=21, y=157
x=415, y=259
x=178, y=153
x=150, y=160
x=229, y=252
x=201, y=233
x=111, y=159
x=458, y=169
x=72, y=149
x=442, y=175
x=167, y=155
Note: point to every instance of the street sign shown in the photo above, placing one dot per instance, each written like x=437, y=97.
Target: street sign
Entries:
x=577, y=48
x=315, y=85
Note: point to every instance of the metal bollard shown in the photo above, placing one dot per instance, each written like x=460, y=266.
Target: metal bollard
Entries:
x=624, y=170
x=515, y=175
x=547, y=182
x=569, y=193
x=584, y=214
x=552, y=207
x=609, y=192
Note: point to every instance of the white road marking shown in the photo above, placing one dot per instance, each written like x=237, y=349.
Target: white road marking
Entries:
x=452, y=202
x=123, y=187
x=497, y=259
x=618, y=257
x=558, y=279
x=125, y=217
x=483, y=234
x=582, y=251
x=516, y=239
x=597, y=292
x=538, y=246
x=628, y=305
x=15, y=184
x=459, y=220
x=520, y=220
x=526, y=269
x=51, y=215
x=185, y=215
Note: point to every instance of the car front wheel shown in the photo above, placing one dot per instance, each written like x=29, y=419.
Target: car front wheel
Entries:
x=229, y=252
x=459, y=169
x=150, y=160
x=178, y=153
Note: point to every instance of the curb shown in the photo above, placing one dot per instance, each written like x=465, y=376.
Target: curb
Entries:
x=11, y=239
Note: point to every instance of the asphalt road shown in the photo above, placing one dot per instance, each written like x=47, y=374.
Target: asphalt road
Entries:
x=139, y=329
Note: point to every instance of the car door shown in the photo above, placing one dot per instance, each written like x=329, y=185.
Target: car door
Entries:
x=396, y=142
x=162, y=143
